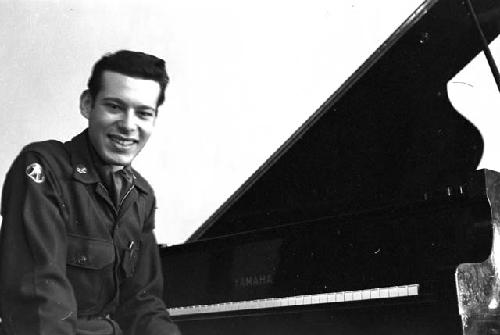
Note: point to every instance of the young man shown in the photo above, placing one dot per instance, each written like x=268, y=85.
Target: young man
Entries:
x=77, y=250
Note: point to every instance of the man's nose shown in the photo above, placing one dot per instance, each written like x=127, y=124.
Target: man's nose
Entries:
x=127, y=122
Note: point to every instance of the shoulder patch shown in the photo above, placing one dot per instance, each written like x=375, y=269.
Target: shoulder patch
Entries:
x=35, y=172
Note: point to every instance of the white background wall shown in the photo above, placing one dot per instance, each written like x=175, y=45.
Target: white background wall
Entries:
x=244, y=76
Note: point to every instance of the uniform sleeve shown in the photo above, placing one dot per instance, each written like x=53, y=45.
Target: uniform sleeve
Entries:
x=141, y=309
x=35, y=294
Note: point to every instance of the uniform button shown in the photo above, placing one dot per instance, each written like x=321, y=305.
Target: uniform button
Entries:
x=81, y=260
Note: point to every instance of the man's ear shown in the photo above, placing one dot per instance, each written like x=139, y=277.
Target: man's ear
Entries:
x=85, y=104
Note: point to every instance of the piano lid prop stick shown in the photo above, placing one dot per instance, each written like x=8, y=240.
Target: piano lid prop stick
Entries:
x=486, y=49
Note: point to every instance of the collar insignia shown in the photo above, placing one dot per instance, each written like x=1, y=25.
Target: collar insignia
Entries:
x=81, y=169
x=35, y=172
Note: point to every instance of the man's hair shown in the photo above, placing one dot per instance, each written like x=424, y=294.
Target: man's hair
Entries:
x=132, y=64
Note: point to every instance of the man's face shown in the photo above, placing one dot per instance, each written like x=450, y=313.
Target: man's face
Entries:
x=122, y=117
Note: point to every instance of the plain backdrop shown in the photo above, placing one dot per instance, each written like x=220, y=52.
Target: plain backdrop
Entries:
x=244, y=76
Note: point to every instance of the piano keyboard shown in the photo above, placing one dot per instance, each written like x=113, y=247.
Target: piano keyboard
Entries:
x=301, y=300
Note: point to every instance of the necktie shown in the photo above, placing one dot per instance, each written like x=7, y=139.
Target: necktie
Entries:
x=122, y=181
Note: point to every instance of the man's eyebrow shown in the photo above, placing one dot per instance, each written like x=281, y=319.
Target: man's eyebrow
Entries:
x=111, y=99
x=145, y=107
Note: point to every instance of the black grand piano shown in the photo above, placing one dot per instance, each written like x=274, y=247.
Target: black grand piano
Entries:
x=371, y=218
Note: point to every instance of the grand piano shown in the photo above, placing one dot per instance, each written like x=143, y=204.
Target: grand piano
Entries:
x=371, y=218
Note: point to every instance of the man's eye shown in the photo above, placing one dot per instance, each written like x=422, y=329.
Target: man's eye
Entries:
x=145, y=114
x=113, y=106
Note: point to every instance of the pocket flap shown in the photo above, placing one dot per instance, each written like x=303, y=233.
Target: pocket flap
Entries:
x=89, y=253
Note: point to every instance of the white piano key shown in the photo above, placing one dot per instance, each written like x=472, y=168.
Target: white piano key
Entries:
x=393, y=292
x=299, y=300
x=348, y=296
x=255, y=304
x=402, y=291
x=339, y=297
x=285, y=302
x=366, y=294
x=375, y=293
x=331, y=297
x=413, y=289
x=244, y=305
x=276, y=303
x=323, y=298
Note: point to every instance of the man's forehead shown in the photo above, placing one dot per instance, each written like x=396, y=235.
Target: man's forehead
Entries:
x=115, y=84
x=109, y=77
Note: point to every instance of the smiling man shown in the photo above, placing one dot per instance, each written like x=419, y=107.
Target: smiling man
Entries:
x=77, y=249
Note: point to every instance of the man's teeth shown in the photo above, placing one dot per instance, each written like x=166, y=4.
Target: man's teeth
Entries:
x=122, y=141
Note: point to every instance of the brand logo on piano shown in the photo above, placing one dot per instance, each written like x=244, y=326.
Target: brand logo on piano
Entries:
x=253, y=281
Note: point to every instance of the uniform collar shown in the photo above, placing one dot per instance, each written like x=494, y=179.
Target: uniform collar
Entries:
x=85, y=167
x=81, y=159
x=140, y=182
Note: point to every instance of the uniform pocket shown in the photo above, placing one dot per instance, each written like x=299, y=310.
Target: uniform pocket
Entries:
x=89, y=253
x=90, y=271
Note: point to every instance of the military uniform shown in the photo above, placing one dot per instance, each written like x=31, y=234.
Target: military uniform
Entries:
x=69, y=253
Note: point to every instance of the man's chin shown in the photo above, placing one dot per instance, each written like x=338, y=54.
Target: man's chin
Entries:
x=119, y=160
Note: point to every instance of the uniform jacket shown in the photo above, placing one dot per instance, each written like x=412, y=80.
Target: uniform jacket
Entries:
x=67, y=252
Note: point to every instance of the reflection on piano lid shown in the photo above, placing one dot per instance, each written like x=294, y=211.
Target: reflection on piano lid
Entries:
x=378, y=189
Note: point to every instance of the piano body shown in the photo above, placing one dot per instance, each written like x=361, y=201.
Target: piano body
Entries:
x=369, y=217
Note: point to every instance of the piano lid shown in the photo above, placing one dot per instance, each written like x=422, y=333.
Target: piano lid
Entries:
x=386, y=135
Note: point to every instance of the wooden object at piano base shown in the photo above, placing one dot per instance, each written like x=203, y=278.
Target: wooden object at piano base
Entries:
x=478, y=284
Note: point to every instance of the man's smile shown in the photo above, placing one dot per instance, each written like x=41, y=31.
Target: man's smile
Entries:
x=122, y=142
